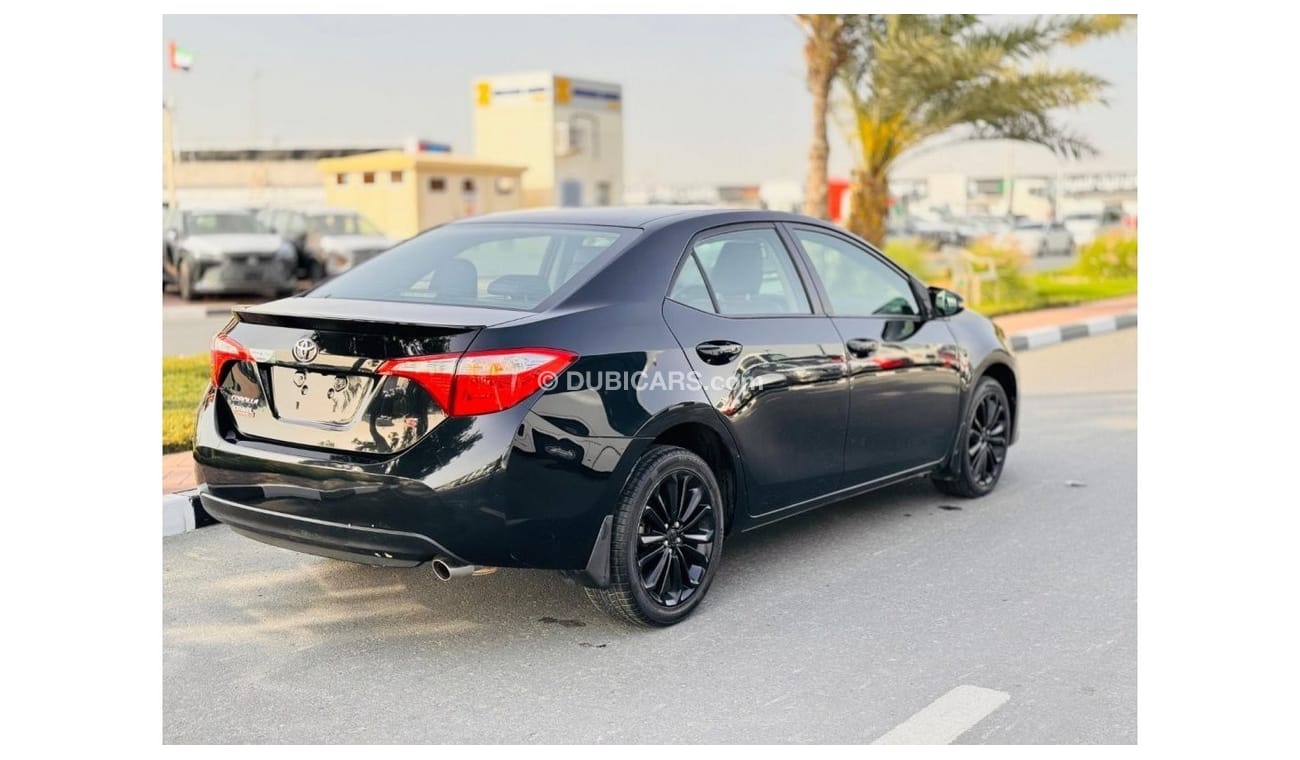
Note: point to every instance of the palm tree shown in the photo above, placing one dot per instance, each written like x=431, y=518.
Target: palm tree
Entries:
x=912, y=78
x=827, y=47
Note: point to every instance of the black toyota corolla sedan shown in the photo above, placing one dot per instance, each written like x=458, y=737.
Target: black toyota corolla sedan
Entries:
x=605, y=392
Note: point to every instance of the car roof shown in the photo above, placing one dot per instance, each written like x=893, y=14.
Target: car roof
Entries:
x=635, y=216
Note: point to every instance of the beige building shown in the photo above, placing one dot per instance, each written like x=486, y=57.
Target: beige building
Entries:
x=247, y=183
x=405, y=192
x=568, y=132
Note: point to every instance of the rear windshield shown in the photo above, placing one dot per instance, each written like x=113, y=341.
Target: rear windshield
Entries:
x=506, y=266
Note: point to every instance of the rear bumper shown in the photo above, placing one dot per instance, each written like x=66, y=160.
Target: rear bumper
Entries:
x=373, y=546
x=471, y=490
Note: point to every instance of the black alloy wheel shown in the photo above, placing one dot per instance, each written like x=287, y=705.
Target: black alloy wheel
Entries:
x=984, y=441
x=675, y=538
x=667, y=539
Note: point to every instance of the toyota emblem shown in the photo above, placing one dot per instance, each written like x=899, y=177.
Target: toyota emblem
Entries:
x=305, y=350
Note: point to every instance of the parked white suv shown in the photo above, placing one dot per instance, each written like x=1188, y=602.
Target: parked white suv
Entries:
x=1041, y=238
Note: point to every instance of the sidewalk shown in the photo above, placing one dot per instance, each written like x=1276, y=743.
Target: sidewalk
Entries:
x=1067, y=315
x=178, y=469
x=178, y=472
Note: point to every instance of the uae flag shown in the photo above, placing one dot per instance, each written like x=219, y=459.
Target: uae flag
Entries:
x=179, y=57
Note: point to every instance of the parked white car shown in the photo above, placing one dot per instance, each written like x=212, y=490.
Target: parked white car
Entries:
x=1041, y=238
x=1084, y=227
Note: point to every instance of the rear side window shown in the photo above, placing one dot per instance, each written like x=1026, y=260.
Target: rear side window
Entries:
x=690, y=288
x=506, y=266
x=750, y=273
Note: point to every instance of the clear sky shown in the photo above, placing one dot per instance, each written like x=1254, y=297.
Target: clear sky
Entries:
x=707, y=99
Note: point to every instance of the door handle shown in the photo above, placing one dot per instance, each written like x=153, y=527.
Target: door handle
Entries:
x=863, y=346
x=718, y=351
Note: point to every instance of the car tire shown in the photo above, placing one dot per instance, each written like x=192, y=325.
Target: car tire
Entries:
x=988, y=427
x=185, y=279
x=658, y=586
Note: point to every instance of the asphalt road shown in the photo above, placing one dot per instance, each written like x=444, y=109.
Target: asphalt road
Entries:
x=902, y=616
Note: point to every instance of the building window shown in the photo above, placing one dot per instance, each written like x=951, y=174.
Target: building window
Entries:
x=437, y=184
x=368, y=178
x=467, y=186
x=603, y=194
x=395, y=177
x=340, y=179
x=505, y=185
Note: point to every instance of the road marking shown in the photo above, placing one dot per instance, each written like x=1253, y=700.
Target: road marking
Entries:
x=947, y=717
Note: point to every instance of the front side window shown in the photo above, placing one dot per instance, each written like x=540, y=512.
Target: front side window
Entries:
x=506, y=266
x=750, y=272
x=857, y=283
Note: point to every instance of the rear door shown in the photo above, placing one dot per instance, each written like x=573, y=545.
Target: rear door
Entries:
x=767, y=362
x=904, y=368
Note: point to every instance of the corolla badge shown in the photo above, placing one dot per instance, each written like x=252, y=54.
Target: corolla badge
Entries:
x=305, y=350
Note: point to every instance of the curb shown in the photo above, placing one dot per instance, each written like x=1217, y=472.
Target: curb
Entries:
x=182, y=511
x=1049, y=336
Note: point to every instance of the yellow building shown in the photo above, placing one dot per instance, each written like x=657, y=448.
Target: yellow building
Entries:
x=567, y=131
x=406, y=192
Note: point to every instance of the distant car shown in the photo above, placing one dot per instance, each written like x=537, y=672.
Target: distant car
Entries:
x=224, y=251
x=1084, y=227
x=1041, y=238
x=940, y=233
x=327, y=241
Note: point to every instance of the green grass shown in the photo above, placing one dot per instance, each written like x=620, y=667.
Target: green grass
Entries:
x=184, y=380
x=1061, y=289
x=1064, y=288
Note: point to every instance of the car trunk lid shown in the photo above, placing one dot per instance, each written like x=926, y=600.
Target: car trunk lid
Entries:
x=308, y=374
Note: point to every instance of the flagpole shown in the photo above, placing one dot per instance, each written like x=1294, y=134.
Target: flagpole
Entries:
x=169, y=155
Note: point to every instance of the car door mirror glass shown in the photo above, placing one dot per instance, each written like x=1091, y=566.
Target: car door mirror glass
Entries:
x=946, y=303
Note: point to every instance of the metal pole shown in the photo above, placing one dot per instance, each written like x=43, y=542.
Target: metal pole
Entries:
x=169, y=155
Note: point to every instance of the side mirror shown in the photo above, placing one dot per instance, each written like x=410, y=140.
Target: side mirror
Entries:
x=946, y=303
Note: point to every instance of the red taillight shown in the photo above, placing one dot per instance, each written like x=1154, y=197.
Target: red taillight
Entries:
x=481, y=382
x=226, y=349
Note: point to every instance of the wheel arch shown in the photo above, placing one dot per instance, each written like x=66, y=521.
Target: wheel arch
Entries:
x=1006, y=376
x=695, y=427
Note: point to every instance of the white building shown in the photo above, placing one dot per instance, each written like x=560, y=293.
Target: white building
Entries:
x=568, y=132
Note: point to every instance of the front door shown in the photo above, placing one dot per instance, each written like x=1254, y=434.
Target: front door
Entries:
x=772, y=368
x=904, y=368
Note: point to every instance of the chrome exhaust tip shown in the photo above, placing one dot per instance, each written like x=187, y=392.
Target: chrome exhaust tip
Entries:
x=447, y=569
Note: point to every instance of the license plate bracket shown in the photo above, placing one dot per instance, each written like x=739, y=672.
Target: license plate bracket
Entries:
x=318, y=397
